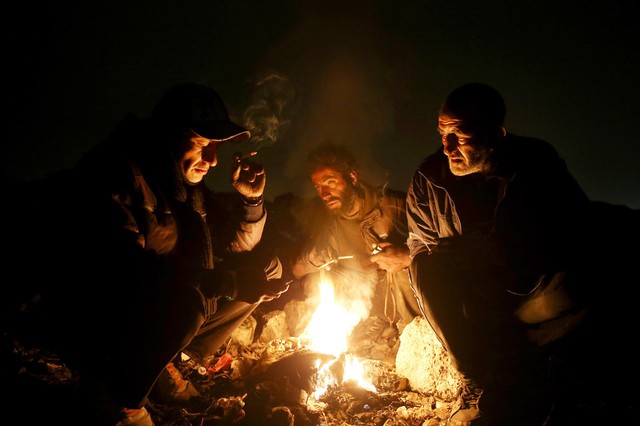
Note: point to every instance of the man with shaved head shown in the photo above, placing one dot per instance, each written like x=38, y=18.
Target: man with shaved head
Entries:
x=501, y=262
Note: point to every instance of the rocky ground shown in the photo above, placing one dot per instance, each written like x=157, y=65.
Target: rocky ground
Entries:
x=265, y=377
x=268, y=384
x=43, y=390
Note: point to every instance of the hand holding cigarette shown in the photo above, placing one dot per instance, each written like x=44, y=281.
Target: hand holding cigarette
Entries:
x=247, y=176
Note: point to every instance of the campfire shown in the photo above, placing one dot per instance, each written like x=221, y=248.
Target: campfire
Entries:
x=328, y=333
x=297, y=367
x=313, y=378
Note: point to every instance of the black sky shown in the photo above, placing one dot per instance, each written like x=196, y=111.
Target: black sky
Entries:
x=370, y=74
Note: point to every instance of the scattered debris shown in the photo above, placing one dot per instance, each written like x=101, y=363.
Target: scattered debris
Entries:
x=268, y=384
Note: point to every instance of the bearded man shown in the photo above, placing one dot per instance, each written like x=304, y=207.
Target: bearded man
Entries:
x=361, y=241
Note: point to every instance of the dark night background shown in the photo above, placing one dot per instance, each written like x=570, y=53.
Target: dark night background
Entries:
x=371, y=74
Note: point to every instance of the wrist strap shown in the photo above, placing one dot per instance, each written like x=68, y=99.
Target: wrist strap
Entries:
x=252, y=201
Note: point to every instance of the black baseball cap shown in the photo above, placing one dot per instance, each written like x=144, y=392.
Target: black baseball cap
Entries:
x=199, y=108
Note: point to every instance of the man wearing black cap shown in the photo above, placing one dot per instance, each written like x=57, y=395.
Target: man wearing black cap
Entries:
x=136, y=240
x=504, y=269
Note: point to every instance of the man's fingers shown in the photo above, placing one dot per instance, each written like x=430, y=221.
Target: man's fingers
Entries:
x=235, y=172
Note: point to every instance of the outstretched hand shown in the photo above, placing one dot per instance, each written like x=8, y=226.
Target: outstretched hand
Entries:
x=247, y=176
x=255, y=288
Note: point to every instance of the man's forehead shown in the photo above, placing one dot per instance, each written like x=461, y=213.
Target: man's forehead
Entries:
x=446, y=120
x=465, y=119
x=325, y=173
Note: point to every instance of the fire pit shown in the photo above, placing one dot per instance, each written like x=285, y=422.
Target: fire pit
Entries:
x=315, y=378
x=279, y=368
x=284, y=383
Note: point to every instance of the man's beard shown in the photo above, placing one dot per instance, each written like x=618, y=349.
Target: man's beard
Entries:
x=347, y=201
x=479, y=162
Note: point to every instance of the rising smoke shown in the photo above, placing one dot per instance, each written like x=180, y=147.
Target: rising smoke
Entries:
x=266, y=117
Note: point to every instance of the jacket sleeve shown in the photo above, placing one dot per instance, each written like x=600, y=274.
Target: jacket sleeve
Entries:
x=431, y=214
x=249, y=229
x=317, y=250
x=236, y=227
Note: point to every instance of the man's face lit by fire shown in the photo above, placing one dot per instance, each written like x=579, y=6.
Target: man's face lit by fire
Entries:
x=337, y=193
x=467, y=149
x=196, y=155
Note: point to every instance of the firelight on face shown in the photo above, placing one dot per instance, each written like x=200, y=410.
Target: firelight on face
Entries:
x=198, y=156
x=334, y=190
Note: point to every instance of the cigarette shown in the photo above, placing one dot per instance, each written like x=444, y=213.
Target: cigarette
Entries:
x=248, y=155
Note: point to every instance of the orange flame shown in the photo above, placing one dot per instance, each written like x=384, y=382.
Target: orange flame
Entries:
x=328, y=331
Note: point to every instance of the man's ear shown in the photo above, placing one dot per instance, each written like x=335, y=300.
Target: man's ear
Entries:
x=495, y=136
x=354, y=177
x=499, y=135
